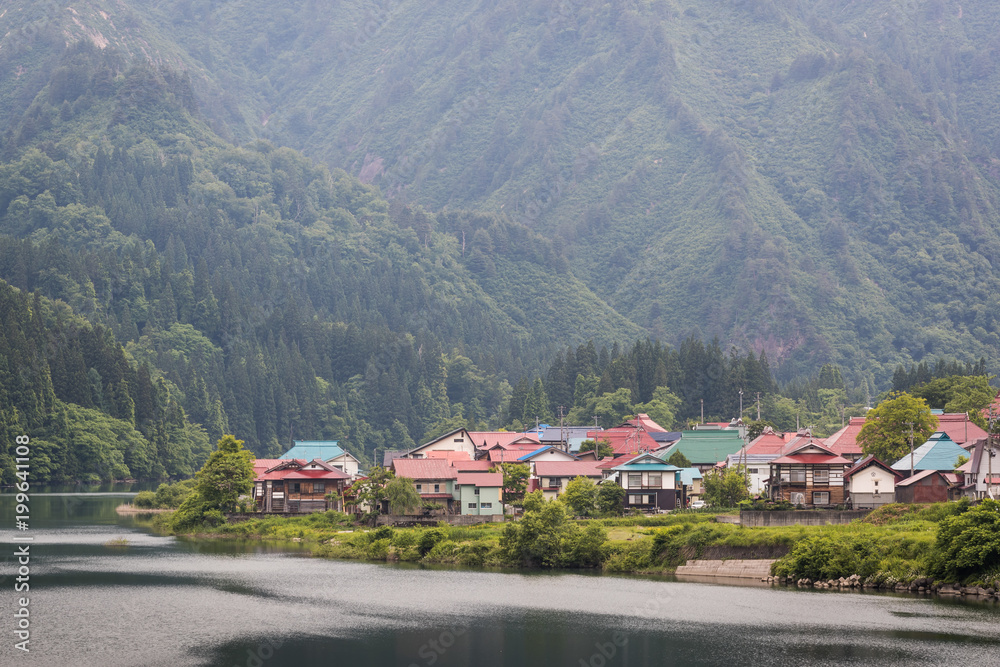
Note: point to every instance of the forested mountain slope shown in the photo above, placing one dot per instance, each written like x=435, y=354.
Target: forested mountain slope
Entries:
x=812, y=178
x=266, y=295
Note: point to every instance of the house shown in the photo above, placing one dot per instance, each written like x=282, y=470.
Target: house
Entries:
x=434, y=479
x=705, y=448
x=546, y=453
x=458, y=440
x=297, y=485
x=509, y=453
x=871, y=483
x=939, y=453
x=487, y=439
x=692, y=485
x=757, y=456
x=553, y=476
x=981, y=473
x=960, y=428
x=479, y=493
x=926, y=486
x=324, y=450
x=568, y=438
x=810, y=475
x=649, y=483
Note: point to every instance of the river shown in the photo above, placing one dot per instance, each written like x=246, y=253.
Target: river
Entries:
x=165, y=601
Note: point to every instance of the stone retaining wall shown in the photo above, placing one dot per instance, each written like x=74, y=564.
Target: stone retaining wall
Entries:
x=756, y=519
x=734, y=569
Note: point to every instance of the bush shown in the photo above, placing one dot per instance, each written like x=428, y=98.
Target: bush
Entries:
x=381, y=533
x=968, y=544
x=144, y=500
x=429, y=539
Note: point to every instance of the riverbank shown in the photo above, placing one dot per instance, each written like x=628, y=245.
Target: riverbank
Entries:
x=895, y=548
x=128, y=508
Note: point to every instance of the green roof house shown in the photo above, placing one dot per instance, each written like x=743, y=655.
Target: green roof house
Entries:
x=939, y=453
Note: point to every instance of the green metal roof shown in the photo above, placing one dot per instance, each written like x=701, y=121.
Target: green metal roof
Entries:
x=323, y=450
x=706, y=446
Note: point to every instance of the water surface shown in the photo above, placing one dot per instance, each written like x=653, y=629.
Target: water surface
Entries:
x=164, y=601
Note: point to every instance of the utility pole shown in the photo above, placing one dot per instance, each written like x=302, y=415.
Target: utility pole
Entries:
x=741, y=405
x=758, y=406
x=562, y=430
x=703, y=411
x=911, y=447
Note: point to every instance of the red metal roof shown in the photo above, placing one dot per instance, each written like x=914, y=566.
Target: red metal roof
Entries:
x=813, y=459
x=484, y=439
x=260, y=465
x=845, y=441
x=449, y=455
x=423, y=469
x=480, y=478
x=959, y=428
x=626, y=440
x=567, y=469
x=436, y=495
x=472, y=466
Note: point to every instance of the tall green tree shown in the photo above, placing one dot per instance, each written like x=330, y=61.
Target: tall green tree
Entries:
x=886, y=433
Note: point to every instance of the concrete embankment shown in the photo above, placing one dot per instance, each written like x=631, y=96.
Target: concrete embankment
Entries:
x=727, y=569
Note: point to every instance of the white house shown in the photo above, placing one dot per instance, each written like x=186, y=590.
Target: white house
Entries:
x=871, y=483
x=982, y=471
x=458, y=440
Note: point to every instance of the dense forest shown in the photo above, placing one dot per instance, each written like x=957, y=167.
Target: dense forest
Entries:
x=213, y=220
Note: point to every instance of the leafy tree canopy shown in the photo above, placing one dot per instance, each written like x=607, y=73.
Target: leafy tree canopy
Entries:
x=886, y=433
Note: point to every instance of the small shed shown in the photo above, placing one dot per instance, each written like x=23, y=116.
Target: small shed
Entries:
x=929, y=486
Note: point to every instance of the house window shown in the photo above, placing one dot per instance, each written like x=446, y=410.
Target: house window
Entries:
x=459, y=439
x=295, y=488
x=821, y=497
x=635, y=480
x=486, y=506
x=753, y=471
x=554, y=481
x=477, y=492
x=654, y=480
x=437, y=488
x=796, y=475
x=319, y=487
x=821, y=476
x=651, y=500
x=635, y=500
x=420, y=488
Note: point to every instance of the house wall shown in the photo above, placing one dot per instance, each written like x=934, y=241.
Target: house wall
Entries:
x=456, y=442
x=346, y=463
x=553, y=455
x=865, y=481
x=871, y=500
x=664, y=499
x=934, y=489
x=667, y=479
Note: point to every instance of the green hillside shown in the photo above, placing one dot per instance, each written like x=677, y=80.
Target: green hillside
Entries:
x=814, y=179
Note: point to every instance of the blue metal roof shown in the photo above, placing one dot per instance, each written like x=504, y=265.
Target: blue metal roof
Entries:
x=939, y=453
x=688, y=475
x=314, y=449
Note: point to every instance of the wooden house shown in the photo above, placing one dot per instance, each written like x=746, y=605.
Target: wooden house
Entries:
x=811, y=475
x=296, y=485
x=981, y=473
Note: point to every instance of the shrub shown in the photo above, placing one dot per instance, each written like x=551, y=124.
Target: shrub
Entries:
x=144, y=500
x=429, y=539
x=968, y=544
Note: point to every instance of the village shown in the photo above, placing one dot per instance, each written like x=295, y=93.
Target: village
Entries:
x=459, y=475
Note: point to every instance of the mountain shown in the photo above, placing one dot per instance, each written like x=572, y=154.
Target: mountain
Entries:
x=814, y=179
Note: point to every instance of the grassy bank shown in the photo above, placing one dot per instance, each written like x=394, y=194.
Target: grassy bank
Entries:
x=947, y=542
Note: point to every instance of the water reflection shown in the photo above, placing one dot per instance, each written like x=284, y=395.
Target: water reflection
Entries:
x=166, y=601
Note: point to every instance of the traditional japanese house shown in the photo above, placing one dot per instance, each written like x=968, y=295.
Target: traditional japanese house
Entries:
x=295, y=486
x=981, y=473
x=811, y=475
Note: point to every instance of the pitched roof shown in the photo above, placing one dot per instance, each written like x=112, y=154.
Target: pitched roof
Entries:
x=567, y=469
x=646, y=422
x=471, y=466
x=688, y=475
x=313, y=449
x=261, y=465
x=959, y=428
x=294, y=469
x=867, y=462
x=480, y=478
x=626, y=439
x=938, y=453
x=532, y=454
x=813, y=459
x=424, y=469
x=917, y=477
x=483, y=439
x=707, y=447
x=845, y=441
x=449, y=455
x=391, y=455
